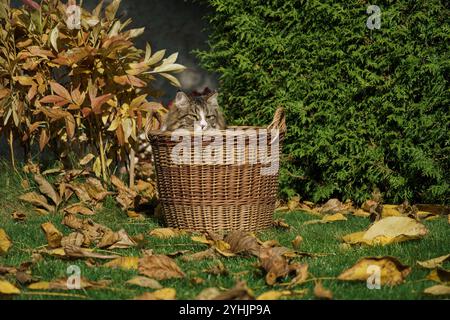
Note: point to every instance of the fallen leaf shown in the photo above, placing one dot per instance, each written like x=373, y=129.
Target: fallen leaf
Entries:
x=159, y=267
x=165, y=233
x=206, y=254
x=162, y=294
x=439, y=275
x=126, y=196
x=301, y=274
x=438, y=290
x=52, y=234
x=297, y=241
x=393, y=272
x=95, y=189
x=18, y=216
x=274, y=263
x=435, y=262
x=76, y=239
x=80, y=209
x=5, y=242
x=177, y=253
x=126, y=263
x=334, y=206
x=37, y=200
x=116, y=240
x=47, y=189
x=327, y=218
x=77, y=252
x=388, y=230
x=64, y=284
x=239, y=292
x=8, y=288
x=280, y=223
x=273, y=295
x=145, y=282
x=242, y=242
x=86, y=159
x=293, y=203
x=322, y=293
x=208, y=294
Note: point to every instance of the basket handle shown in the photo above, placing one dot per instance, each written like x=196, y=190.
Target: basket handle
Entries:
x=279, y=120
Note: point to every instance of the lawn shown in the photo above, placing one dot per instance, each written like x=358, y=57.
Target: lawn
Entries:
x=318, y=238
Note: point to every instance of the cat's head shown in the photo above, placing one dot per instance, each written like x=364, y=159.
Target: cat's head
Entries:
x=196, y=113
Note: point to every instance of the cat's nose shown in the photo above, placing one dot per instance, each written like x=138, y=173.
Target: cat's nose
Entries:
x=203, y=124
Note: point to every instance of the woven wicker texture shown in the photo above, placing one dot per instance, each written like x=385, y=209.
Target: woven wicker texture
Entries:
x=209, y=196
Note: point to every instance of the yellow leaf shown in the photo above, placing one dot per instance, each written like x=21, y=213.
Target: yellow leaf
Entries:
x=41, y=285
x=201, y=239
x=434, y=263
x=5, y=243
x=390, y=210
x=162, y=294
x=438, y=290
x=273, y=295
x=145, y=282
x=334, y=217
x=392, y=271
x=165, y=233
x=8, y=288
x=156, y=57
x=388, y=230
x=126, y=263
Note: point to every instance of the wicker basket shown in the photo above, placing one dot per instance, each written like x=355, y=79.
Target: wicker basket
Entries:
x=219, y=195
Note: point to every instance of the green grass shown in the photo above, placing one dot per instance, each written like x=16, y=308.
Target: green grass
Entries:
x=319, y=238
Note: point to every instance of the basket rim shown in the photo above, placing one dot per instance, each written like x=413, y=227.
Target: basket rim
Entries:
x=192, y=132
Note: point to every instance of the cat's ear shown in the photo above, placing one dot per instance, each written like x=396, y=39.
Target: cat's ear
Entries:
x=212, y=100
x=181, y=100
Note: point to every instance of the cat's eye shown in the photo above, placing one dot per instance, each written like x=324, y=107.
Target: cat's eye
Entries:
x=210, y=117
x=194, y=116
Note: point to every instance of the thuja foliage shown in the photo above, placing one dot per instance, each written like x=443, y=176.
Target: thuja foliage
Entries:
x=366, y=108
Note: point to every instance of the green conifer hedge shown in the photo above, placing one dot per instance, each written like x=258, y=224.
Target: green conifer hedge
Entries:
x=365, y=107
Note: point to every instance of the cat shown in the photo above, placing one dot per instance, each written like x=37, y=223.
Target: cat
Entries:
x=194, y=112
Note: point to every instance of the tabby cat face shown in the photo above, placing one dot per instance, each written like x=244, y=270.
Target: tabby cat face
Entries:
x=194, y=113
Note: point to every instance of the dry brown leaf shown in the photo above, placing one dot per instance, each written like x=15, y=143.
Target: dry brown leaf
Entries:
x=47, y=189
x=334, y=206
x=197, y=256
x=280, y=223
x=208, y=294
x=126, y=263
x=64, y=284
x=388, y=230
x=177, y=253
x=95, y=189
x=52, y=234
x=79, y=208
x=435, y=262
x=438, y=290
x=8, y=288
x=116, y=240
x=5, y=242
x=86, y=159
x=393, y=272
x=18, y=216
x=76, y=239
x=242, y=242
x=80, y=192
x=275, y=264
x=322, y=293
x=165, y=233
x=239, y=292
x=77, y=252
x=297, y=241
x=301, y=274
x=37, y=200
x=126, y=196
x=159, y=267
x=145, y=282
x=162, y=294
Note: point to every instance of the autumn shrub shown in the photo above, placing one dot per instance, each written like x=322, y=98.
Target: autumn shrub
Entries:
x=366, y=108
x=73, y=81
